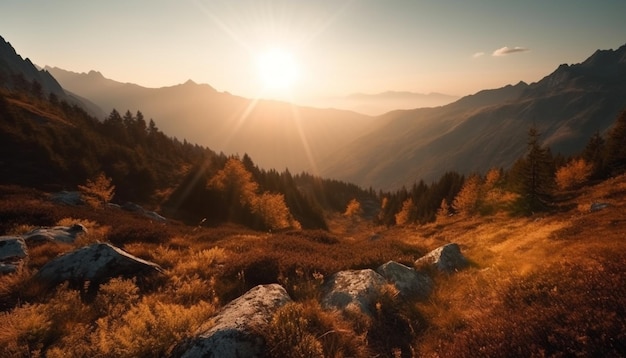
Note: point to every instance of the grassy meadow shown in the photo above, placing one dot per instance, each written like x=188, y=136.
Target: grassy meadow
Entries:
x=551, y=284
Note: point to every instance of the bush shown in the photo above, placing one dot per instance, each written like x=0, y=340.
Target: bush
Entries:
x=305, y=330
x=574, y=174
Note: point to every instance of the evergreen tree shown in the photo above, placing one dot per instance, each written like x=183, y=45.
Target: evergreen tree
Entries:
x=595, y=154
x=534, y=175
x=616, y=146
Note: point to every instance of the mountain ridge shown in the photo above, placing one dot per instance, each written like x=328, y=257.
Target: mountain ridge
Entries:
x=472, y=134
x=275, y=134
x=488, y=129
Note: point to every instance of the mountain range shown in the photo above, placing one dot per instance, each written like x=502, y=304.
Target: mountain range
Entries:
x=473, y=134
x=488, y=129
x=378, y=103
x=276, y=134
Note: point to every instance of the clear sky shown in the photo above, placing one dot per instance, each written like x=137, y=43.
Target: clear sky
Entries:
x=339, y=46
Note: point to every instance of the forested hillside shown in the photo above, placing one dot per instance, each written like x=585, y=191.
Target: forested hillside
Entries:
x=52, y=145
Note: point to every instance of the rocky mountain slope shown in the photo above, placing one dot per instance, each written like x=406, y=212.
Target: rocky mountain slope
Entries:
x=487, y=129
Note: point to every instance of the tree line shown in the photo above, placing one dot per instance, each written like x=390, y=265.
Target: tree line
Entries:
x=53, y=145
x=531, y=184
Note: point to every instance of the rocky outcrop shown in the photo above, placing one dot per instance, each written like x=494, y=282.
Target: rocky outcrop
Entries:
x=234, y=331
x=352, y=289
x=67, y=198
x=447, y=258
x=408, y=281
x=65, y=234
x=135, y=208
x=96, y=263
x=13, y=251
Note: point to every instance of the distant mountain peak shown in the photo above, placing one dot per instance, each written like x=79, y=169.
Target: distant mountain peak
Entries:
x=94, y=73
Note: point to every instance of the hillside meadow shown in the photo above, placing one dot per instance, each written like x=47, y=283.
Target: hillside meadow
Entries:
x=552, y=284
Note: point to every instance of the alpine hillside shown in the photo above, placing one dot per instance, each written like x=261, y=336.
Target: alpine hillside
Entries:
x=487, y=129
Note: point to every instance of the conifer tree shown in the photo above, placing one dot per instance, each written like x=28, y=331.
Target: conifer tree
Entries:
x=616, y=146
x=534, y=175
x=595, y=154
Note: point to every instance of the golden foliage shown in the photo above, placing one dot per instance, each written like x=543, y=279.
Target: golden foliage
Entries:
x=97, y=192
x=303, y=329
x=406, y=214
x=274, y=211
x=236, y=179
x=467, y=200
x=238, y=184
x=149, y=329
x=573, y=174
x=353, y=208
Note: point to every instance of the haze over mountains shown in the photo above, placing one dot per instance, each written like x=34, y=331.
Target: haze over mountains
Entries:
x=380, y=103
x=477, y=132
x=276, y=134
x=488, y=129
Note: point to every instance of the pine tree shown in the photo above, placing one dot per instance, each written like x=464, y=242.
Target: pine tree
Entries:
x=616, y=146
x=595, y=154
x=535, y=175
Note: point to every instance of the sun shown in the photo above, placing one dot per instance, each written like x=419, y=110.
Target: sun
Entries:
x=277, y=69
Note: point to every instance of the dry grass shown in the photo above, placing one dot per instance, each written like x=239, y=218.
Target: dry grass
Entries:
x=550, y=285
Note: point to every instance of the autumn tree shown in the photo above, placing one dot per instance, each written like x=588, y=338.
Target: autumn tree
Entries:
x=574, y=174
x=240, y=193
x=353, y=208
x=406, y=215
x=274, y=211
x=467, y=200
x=97, y=192
x=443, y=212
x=235, y=181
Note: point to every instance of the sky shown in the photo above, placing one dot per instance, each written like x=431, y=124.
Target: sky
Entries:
x=338, y=47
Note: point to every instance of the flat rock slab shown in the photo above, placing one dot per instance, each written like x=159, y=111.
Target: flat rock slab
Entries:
x=353, y=289
x=447, y=258
x=65, y=234
x=96, y=263
x=408, y=281
x=233, y=332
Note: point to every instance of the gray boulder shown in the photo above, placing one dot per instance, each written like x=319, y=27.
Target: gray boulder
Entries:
x=447, y=258
x=234, y=331
x=67, y=198
x=408, y=281
x=598, y=206
x=353, y=289
x=96, y=263
x=65, y=234
x=13, y=251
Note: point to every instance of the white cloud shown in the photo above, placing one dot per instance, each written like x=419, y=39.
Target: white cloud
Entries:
x=478, y=54
x=509, y=50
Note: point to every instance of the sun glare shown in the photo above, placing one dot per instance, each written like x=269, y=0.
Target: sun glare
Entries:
x=277, y=69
